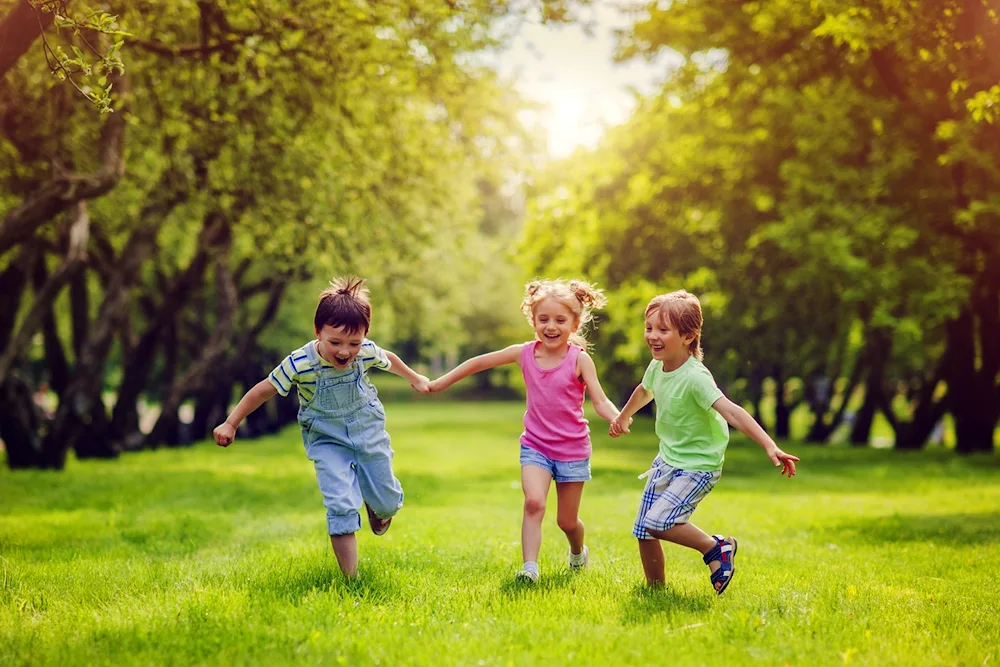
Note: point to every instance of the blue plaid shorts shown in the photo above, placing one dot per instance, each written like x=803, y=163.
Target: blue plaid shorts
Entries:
x=670, y=496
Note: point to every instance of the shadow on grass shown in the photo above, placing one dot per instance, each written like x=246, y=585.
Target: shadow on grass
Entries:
x=372, y=585
x=164, y=536
x=957, y=529
x=301, y=578
x=645, y=602
x=515, y=588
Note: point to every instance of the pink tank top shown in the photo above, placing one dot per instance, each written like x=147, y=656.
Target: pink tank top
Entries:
x=553, y=422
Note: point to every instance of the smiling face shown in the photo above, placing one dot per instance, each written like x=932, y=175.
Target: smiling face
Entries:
x=338, y=345
x=664, y=341
x=553, y=322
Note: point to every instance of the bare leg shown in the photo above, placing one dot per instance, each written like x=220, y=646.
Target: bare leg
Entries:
x=690, y=535
x=346, y=549
x=535, y=484
x=570, y=494
x=651, y=554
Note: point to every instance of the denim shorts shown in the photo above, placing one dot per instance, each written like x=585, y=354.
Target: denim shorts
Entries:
x=561, y=471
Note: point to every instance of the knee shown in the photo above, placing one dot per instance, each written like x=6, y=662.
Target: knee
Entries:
x=568, y=524
x=534, y=506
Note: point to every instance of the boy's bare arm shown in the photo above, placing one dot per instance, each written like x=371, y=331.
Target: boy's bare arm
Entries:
x=741, y=419
x=258, y=395
x=508, y=355
x=399, y=367
x=636, y=401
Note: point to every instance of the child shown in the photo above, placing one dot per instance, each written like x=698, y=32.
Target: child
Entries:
x=693, y=439
x=555, y=443
x=342, y=420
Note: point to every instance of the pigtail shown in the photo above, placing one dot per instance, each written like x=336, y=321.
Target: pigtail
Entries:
x=528, y=303
x=589, y=296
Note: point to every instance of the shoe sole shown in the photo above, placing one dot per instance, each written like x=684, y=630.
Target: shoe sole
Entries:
x=372, y=518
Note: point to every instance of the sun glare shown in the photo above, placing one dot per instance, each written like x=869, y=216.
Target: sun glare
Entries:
x=566, y=124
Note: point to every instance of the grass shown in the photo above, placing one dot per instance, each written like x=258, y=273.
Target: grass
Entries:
x=215, y=556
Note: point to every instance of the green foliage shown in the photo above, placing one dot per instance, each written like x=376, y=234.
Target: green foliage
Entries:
x=90, y=69
x=810, y=168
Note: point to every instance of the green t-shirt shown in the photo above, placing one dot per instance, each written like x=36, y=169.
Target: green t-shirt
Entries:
x=692, y=435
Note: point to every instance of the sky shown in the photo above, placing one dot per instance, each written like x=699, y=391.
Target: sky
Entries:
x=573, y=74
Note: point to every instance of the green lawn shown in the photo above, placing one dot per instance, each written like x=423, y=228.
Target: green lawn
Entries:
x=207, y=555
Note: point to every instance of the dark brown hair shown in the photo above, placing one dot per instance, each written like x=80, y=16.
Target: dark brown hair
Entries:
x=344, y=304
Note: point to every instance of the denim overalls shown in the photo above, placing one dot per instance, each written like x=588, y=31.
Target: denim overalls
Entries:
x=343, y=429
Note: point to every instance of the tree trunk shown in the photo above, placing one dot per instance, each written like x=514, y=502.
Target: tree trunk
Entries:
x=19, y=418
x=176, y=295
x=782, y=413
x=49, y=288
x=927, y=413
x=55, y=355
x=212, y=351
x=755, y=390
x=79, y=310
x=13, y=281
x=862, y=428
x=975, y=398
x=19, y=423
x=878, y=349
x=93, y=442
x=76, y=413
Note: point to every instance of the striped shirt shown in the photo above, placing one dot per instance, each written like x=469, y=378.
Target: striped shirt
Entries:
x=296, y=370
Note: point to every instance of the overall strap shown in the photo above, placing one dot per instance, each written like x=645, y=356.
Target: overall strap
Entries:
x=313, y=356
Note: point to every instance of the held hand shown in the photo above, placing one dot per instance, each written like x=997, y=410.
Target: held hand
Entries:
x=423, y=385
x=617, y=428
x=435, y=386
x=785, y=461
x=224, y=434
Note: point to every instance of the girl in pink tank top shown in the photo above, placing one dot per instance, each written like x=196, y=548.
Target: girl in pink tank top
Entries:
x=555, y=444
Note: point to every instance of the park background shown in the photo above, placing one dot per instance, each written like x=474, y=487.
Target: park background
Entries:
x=179, y=179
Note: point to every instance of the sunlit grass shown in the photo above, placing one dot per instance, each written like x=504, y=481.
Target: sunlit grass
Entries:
x=206, y=555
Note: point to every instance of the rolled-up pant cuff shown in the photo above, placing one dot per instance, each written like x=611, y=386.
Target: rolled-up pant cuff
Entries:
x=343, y=524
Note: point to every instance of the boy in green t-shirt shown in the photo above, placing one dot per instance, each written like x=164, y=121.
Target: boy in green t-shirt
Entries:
x=691, y=422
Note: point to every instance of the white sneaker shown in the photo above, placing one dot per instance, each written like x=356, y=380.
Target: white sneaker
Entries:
x=527, y=576
x=581, y=560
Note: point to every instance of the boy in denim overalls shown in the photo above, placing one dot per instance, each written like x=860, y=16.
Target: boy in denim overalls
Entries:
x=342, y=420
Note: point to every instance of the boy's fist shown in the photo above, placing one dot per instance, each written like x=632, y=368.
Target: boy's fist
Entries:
x=224, y=434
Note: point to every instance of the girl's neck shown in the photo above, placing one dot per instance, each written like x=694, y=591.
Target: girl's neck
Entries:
x=554, y=357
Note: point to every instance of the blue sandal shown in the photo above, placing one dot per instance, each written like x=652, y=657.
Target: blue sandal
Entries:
x=724, y=551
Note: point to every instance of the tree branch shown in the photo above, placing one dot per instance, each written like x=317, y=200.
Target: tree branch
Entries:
x=64, y=191
x=18, y=31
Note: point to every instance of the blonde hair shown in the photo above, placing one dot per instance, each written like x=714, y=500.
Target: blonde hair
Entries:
x=682, y=310
x=579, y=296
x=344, y=303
